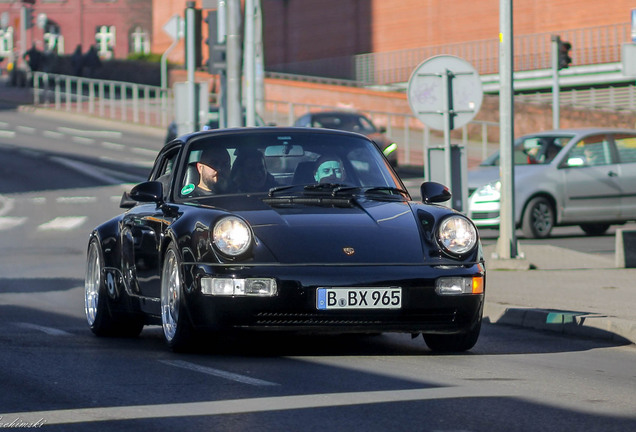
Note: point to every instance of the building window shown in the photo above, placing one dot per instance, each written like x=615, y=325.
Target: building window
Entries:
x=105, y=38
x=53, y=39
x=139, y=41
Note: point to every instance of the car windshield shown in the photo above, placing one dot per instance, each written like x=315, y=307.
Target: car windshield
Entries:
x=533, y=150
x=272, y=161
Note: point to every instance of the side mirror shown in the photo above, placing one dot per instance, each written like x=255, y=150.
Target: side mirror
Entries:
x=151, y=191
x=433, y=192
x=126, y=202
x=575, y=161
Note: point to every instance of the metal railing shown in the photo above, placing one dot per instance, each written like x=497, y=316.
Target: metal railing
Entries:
x=591, y=45
x=153, y=106
x=115, y=100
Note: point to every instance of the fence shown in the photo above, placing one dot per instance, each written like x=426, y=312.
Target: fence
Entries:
x=592, y=45
x=115, y=100
x=153, y=106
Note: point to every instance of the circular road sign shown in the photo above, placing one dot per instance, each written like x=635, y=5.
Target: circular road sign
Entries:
x=426, y=87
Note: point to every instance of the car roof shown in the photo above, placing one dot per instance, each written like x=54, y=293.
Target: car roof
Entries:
x=580, y=131
x=266, y=129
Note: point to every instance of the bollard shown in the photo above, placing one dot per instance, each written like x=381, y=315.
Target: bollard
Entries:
x=625, y=248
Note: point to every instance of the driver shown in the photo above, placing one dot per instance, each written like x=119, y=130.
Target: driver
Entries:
x=329, y=169
x=214, y=171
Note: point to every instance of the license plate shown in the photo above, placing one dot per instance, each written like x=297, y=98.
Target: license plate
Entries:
x=359, y=298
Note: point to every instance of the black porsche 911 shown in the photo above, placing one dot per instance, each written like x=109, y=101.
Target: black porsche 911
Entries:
x=284, y=229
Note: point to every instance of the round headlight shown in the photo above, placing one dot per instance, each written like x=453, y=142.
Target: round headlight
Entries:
x=457, y=235
x=232, y=236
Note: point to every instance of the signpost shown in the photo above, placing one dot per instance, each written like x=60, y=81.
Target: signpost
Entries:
x=445, y=93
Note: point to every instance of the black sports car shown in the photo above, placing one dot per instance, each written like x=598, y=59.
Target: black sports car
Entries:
x=284, y=229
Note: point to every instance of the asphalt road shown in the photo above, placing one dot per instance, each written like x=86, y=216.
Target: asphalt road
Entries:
x=54, y=372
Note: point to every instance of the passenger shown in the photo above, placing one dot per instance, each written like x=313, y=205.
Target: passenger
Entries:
x=330, y=170
x=214, y=172
x=249, y=173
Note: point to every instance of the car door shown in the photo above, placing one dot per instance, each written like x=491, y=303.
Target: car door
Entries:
x=626, y=149
x=142, y=230
x=591, y=191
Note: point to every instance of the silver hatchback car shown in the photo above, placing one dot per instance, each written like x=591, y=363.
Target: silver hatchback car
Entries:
x=584, y=177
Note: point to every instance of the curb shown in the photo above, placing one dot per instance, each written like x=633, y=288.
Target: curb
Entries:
x=580, y=324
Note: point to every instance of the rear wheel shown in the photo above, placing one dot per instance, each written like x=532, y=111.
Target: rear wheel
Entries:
x=538, y=219
x=101, y=320
x=453, y=342
x=177, y=330
x=594, y=229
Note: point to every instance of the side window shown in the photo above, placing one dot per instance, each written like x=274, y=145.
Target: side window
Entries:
x=626, y=146
x=164, y=173
x=591, y=151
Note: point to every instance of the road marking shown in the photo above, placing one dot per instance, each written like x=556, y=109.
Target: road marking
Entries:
x=63, y=223
x=52, y=331
x=76, y=199
x=218, y=373
x=140, y=150
x=6, y=205
x=90, y=133
x=82, y=140
x=253, y=405
x=7, y=222
x=113, y=146
x=7, y=134
x=52, y=134
x=26, y=129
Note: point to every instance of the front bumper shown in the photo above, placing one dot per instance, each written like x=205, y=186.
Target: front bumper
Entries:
x=294, y=308
x=484, y=213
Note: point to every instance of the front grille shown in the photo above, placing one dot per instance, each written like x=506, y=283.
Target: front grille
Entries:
x=318, y=320
x=490, y=215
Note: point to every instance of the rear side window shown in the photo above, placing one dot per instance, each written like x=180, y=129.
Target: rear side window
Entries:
x=626, y=146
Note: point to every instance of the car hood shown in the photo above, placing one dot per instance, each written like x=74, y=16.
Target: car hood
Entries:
x=369, y=232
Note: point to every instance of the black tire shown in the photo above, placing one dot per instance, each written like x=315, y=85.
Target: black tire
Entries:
x=595, y=229
x=177, y=329
x=97, y=301
x=453, y=342
x=538, y=218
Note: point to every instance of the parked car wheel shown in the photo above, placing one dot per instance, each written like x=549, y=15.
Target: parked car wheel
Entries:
x=538, y=219
x=454, y=342
x=594, y=229
x=177, y=330
x=101, y=320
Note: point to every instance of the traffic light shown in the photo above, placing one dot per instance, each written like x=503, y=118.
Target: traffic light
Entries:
x=28, y=18
x=564, y=54
x=216, y=51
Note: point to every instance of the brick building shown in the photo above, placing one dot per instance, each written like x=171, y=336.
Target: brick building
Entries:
x=116, y=27
x=306, y=35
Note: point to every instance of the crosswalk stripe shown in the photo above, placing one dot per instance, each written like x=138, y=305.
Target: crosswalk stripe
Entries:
x=8, y=222
x=63, y=223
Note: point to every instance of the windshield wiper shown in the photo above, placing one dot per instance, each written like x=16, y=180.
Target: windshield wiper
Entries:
x=384, y=189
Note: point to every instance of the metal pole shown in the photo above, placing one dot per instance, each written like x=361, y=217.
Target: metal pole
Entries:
x=446, y=97
x=233, y=56
x=556, y=104
x=191, y=125
x=507, y=242
x=250, y=70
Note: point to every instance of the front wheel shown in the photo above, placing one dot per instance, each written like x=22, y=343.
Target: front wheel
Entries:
x=101, y=320
x=177, y=330
x=453, y=342
x=538, y=219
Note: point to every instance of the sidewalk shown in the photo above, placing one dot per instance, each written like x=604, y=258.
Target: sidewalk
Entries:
x=566, y=291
